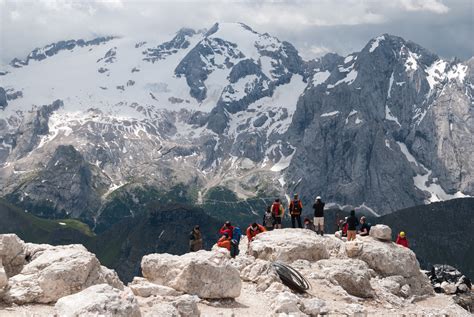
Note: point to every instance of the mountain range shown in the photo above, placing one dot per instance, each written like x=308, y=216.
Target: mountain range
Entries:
x=228, y=119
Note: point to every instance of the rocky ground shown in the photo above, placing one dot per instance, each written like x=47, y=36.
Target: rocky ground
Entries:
x=371, y=276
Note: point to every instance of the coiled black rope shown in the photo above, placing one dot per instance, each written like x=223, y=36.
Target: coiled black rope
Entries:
x=291, y=277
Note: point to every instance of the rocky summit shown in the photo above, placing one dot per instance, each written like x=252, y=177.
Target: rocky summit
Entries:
x=84, y=123
x=368, y=276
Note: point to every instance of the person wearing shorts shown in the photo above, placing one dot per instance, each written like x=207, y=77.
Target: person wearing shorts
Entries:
x=319, y=215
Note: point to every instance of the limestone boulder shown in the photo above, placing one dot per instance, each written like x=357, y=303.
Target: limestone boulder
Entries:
x=381, y=232
x=12, y=253
x=143, y=288
x=314, y=307
x=3, y=277
x=57, y=271
x=206, y=274
x=351, y=274
x=389, y=259
x=288, y=245
x=99, y=300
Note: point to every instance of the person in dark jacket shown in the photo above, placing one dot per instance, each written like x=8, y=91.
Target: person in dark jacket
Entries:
x=319, y=215
x=195, y=239
x=364, y=227
x=352, y=223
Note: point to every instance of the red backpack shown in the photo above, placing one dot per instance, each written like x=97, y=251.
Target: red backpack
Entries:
x=276, y=209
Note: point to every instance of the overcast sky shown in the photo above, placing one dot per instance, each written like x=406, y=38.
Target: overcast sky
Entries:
x=445, y=27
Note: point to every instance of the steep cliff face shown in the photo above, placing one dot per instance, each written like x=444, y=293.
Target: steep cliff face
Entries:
x=385, y=129
x=381, y=129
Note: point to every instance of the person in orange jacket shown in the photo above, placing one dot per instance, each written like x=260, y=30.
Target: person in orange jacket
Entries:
x=402, y=240
x=224, y=242
x=253, y=230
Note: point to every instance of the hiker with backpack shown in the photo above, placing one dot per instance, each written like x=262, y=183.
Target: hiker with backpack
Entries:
x=364, y=227
x=295, y=208
x=268, y=219
x=278, y=212
x=227, y=228
x=352, y=223
x=195, y=239
x=318, y=207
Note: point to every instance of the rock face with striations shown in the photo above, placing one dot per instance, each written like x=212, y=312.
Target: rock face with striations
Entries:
x=206, y=274
x=52, y=272
x=289, y=245
x=99, y=300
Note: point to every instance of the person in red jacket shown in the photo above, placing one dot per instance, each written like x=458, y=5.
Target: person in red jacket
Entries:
x=227, y=228
x=253, y=230
x=402, y=240
x=224, y=242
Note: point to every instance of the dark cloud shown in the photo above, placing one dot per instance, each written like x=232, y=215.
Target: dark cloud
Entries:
x=314, y=27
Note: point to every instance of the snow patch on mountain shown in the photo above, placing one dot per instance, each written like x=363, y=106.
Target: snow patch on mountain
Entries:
x=376, y=42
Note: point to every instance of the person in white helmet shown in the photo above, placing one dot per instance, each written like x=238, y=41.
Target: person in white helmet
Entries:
x=319, y=215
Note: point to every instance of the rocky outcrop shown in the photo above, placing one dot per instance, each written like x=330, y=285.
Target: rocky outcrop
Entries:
x=352, y=275
x=3, y=277
x=206, y=274
x=141, y=287
x=99, y=300
x=12, y=254
x=210, y=281
x=289, y=245
x=390, y=259
x=52, y=272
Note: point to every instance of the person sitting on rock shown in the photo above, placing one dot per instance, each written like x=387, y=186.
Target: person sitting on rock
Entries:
x=295, y=208
x=364, y=227
x=224, y=242
x=195, y=239
x=227, y=228
x=253, y=230
x=402, y=239
x=268, y=219
x=278, y=212
x=308, y=224
x=352, y=223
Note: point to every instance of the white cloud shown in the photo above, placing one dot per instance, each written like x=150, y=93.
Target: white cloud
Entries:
x=424, y=5
x=28, y=24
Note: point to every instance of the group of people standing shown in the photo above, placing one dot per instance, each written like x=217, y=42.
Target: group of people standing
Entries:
x=275, y=213
x=272, y=219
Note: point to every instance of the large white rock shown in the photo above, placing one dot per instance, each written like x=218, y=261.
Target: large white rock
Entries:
x=351, y=274
x=3, y=277
x=288, y=245
x=55, y=272
x=206, y=274
x=99, y=300
x=389, y=259
x=143, y=288
x=381, y=232
x=314, y=307
x=12, y=253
